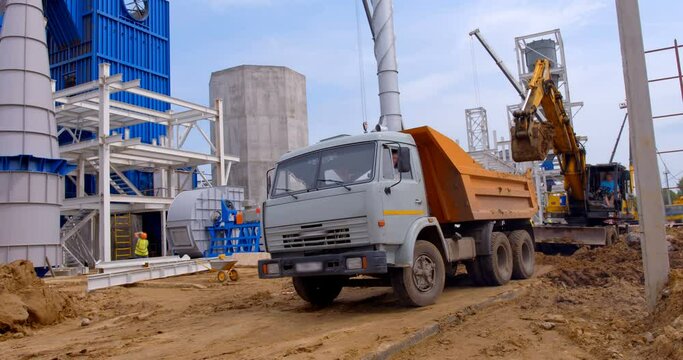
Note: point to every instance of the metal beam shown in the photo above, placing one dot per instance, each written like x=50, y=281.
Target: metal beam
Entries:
x=182, y=267
x=172, y=100
x=648, y=183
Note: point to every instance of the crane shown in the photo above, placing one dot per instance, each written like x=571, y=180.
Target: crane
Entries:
x=499, y=62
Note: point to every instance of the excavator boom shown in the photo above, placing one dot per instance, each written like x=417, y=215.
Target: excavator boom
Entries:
x=532, y=138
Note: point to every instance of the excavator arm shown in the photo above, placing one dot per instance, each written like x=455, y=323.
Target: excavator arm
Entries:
x=533, y=138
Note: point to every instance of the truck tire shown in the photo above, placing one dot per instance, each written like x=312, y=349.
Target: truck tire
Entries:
x=318, y=290
x=523, y=259
x=497, y=268
x=424, y=282
x=612, y=236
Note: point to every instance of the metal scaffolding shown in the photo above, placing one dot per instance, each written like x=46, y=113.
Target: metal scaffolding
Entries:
x=477, y=129
x=526, y=51
x=89, y=107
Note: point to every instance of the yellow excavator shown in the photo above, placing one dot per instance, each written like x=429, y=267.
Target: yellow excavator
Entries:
x=597, y=199
x=597, y=196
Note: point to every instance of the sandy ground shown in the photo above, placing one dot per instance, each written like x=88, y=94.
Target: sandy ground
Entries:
x=585, y=306
x=591, y=306
x=195, y=317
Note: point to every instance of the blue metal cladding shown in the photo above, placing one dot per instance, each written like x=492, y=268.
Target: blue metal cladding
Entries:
x=135, y=49
x=35, y=164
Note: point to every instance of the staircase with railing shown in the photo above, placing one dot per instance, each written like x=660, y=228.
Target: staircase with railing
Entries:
x=76, y=251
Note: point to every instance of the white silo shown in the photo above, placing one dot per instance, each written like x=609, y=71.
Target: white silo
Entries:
x=30, y=168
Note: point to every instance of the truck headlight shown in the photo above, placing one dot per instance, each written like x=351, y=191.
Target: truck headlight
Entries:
x=355, y=263
x=272, y=269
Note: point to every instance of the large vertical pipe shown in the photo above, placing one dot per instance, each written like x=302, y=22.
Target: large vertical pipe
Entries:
x=387, y=67
x=30, y=168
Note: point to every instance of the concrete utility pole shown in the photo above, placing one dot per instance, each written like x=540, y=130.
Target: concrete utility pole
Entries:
x=668, y=192
x=648, y=184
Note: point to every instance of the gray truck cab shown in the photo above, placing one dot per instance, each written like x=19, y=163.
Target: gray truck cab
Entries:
x=342, y=199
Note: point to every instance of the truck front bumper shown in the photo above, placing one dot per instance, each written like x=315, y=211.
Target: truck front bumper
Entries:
x=353, y=263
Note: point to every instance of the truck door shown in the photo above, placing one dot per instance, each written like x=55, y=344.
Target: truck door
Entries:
x=405, y=201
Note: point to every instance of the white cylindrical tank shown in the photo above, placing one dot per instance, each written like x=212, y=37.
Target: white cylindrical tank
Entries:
x=30, y=168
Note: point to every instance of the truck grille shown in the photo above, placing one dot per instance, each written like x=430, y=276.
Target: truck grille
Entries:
x=345, y=232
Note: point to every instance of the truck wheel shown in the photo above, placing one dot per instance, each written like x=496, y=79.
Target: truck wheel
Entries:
x=523, y=260
x=612, y=236
x=497, y=267
x=318, y=290
x=424, y=282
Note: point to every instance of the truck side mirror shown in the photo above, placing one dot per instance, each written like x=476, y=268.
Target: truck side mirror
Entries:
x=269, y=181
x=403, y=160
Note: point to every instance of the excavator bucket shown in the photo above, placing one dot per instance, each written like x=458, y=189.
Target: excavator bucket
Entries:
x=532, y=144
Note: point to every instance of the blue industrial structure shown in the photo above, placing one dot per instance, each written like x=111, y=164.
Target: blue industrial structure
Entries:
x=229, y=234
x=132, y=36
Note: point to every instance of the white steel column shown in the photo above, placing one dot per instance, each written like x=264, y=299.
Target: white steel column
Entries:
x=220, y=145
x=80, y=187
x=171, y=183
x=163, y=244
x=104, y=229
x=648, y=185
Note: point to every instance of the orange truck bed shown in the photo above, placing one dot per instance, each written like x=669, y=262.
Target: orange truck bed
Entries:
x=459, y=189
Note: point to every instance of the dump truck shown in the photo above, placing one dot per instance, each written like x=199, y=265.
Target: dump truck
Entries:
x=394, y=208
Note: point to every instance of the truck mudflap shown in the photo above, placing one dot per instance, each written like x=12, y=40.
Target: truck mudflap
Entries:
x=353, y=263
x=570, y=235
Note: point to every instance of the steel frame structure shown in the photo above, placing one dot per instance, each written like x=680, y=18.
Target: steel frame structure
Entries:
x=559, y=70
x=678, y=77
x=477, y=129
x=89, y=107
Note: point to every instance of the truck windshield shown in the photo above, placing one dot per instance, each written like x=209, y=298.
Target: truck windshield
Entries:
x=340, y=166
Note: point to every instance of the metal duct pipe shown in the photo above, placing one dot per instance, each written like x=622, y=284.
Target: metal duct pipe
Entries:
x=30, y=168
x=387, y=68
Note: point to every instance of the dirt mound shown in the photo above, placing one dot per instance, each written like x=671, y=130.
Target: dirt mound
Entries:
x=25, y=300
x=675, y=238
x=596, y=267
x=667, y=322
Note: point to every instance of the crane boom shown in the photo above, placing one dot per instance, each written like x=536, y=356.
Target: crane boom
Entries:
x=499, y=62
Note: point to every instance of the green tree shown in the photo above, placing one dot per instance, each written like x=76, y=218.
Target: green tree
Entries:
x=672, y=193
x=680, y=186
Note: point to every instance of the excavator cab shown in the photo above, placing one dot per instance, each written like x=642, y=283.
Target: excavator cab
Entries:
x=607, y=192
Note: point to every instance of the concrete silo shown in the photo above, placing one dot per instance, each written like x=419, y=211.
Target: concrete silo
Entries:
x=265, y=116
x=31, y=172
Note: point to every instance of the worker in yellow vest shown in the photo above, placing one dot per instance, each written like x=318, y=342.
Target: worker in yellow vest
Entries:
x=141, y=245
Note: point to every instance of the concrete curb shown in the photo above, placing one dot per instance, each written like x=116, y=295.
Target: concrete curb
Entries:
x=387, y=350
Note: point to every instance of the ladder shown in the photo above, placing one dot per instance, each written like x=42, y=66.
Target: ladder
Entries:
x=123, y=242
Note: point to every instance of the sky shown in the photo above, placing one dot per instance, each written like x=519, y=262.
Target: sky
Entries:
x=440, y=66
